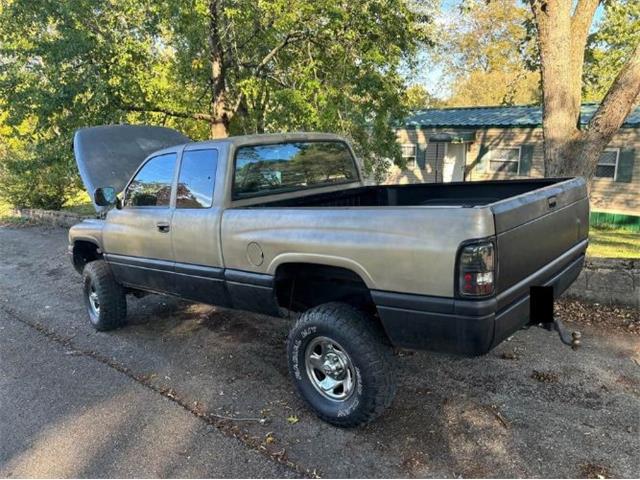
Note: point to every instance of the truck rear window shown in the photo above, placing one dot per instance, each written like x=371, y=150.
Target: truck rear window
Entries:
x=283, y=167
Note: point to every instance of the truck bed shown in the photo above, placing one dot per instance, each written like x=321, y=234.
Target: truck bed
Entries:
x=533, y=221
x=463, y=194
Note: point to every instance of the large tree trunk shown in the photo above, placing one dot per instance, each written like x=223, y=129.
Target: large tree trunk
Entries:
x=219, y=103
x=562, y=37
x=560, y=97
x=222, y=105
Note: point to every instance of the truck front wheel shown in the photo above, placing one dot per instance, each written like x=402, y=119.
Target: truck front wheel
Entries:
x=104, y=298
x=341, y=364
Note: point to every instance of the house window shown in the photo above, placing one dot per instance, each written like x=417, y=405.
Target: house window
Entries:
x=409, y=154
x=504, y=160
x=608, y=164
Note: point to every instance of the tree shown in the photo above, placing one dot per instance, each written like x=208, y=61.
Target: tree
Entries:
x=609, y=47
x=416, y=97
x=562, y=32
x=64, y=65
x=498, y=87
x=208, y=67
x=484, y=49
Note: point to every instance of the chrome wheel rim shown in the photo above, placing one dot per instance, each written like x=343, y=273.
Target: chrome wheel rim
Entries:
x=330, y=369
x=94, y=301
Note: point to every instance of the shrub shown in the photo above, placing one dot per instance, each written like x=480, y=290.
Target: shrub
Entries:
x=37, y=178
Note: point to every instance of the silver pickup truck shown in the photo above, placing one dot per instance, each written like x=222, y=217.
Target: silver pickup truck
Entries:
x=279, y=224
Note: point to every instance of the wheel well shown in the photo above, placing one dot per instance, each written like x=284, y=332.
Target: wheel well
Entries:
x=300, y=286
x=83, y=253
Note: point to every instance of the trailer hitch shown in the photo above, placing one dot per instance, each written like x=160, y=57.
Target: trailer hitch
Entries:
x=542, y=315
x=573, y=339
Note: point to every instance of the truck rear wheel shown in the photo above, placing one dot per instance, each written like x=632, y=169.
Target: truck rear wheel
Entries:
x=341, y=364
x=104, y=298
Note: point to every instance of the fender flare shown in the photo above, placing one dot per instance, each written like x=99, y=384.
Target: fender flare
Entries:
x=328, y=260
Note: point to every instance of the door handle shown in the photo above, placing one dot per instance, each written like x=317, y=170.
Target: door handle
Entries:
x=552, y=201
x=163, y=227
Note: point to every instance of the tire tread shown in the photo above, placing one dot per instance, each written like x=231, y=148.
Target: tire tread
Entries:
x=113, y=302
x=373, y=344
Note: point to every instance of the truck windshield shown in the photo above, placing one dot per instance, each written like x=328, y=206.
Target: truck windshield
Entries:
x=282, y=167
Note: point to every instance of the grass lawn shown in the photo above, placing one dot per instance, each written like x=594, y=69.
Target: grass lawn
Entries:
x=80, y=204
x=80, y=208
x=613, y=243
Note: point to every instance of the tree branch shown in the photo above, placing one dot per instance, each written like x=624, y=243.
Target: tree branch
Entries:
x=257, y=69
x=171, y=113
x=618, y=102
x=291, y=37
x=582, y=18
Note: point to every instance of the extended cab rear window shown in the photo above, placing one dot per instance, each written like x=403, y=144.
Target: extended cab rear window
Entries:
x=277, y=168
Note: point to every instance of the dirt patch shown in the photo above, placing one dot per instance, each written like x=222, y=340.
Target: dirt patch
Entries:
x=231, y=327
x=510, y=355
x=54, y=272
x=621, y=319
x=479, y=438
x=630, y=383
x=545, y=377
x=414, y=463
x=16, y=222
x=594, y=470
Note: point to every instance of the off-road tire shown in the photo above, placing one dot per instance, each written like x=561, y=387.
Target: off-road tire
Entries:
x=370, y=354
x=112, y=311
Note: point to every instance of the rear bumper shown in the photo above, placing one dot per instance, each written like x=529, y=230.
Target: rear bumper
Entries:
x=469, y=327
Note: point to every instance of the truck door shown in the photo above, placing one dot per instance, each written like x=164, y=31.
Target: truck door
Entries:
x=137, y=237
x=195, y=228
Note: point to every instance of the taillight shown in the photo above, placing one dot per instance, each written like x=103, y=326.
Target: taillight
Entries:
x=476, y=268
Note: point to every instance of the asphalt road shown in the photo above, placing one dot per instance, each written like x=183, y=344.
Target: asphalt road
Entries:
x=155, y=398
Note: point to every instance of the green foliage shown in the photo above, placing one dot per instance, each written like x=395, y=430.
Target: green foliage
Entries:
x=416, y=97
x=37, y=177
x=67, y=64
x=485, y=52
x=341, y=76
x=610, y=46
x=490, y=55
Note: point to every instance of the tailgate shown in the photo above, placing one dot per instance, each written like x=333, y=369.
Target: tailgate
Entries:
x=537, y=227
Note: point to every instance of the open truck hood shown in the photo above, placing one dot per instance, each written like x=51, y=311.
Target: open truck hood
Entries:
x=107, y=156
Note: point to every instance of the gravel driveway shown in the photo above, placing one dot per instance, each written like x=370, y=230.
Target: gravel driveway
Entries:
x=163, y=390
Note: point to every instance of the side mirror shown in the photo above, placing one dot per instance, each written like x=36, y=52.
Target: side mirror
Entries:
x=105, y=197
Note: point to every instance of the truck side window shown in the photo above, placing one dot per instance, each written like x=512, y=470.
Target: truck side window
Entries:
x=151, y=187
x=197, y=179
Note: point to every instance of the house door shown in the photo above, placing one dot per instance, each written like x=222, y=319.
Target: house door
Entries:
x=453, y=162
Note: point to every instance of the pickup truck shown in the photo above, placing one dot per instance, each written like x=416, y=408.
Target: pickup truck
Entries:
x=285, y=225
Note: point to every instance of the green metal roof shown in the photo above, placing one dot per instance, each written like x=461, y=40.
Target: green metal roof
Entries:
x=517, y=116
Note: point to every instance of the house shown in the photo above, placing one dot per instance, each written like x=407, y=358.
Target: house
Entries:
x=482, y=143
